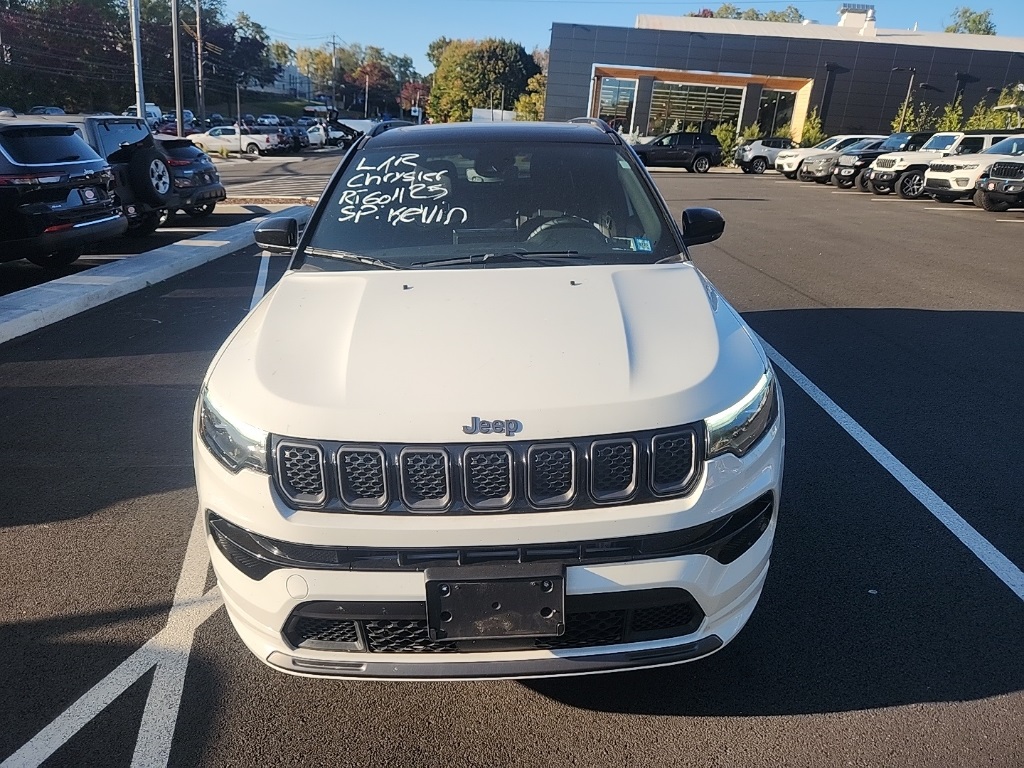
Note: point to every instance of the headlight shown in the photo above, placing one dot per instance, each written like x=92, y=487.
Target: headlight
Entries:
x=736, y=429
x=235, y=445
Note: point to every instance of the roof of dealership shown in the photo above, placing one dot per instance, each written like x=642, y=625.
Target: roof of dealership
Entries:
x=856, y=24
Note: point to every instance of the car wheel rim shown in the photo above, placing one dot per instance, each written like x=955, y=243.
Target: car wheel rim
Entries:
x=701, y=165
x=912, y=185
x=158, y=177
x=759, y=166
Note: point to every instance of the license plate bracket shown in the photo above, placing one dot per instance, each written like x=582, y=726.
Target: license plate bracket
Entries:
x=494, y=602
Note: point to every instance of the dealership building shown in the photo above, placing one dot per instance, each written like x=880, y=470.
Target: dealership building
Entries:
x=704, y=71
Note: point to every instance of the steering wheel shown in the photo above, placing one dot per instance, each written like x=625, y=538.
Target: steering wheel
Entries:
x=566, y=222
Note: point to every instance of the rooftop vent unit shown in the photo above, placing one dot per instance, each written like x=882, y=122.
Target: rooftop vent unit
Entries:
x=855, y=14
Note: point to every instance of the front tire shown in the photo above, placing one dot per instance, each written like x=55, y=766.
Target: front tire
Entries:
x=146, y=226
x=789, y=174
x=841, y=183
x=201, y=211
x=862, y=184
x=55, y=260
x=982, y=200
x=910, y=185
x=946, y=198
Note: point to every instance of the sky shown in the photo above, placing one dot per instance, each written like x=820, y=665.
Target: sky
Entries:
x=408, y=26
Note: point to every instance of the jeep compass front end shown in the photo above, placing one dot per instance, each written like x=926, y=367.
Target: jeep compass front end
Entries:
x=492, y=422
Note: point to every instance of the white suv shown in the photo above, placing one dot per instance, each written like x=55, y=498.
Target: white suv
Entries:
x=789, y=161
x=489, y=429
x=903, y=172
x=954, y=178
x=759, y=155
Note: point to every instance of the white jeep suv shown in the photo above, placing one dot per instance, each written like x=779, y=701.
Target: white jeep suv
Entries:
x=954, y=178
x=489, y=424
x=903, y=172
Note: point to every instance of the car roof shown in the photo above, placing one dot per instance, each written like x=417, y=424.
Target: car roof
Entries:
x=455, y=133
x=34, y=121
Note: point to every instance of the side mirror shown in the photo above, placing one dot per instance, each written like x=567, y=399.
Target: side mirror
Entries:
x=277, y=235
x=702, y=225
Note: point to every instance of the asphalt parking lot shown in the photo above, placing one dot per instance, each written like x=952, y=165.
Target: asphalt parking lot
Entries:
x=882, y=638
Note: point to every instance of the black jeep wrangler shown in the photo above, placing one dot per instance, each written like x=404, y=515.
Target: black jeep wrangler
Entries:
x=142, y=180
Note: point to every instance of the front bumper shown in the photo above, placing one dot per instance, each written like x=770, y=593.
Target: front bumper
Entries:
x=787, y=165
x=1004, y=190
x=847, y=171
x=381, y=579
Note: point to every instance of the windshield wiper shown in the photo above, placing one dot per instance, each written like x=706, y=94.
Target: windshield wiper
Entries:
x=346, y=256
x=504, y=257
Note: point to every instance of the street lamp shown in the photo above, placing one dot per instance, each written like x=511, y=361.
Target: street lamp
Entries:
x=910, y=88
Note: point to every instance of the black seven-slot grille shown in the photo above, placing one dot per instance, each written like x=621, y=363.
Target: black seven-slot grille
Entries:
x=480, y=478
x=942, y=167
x=591, y=620
x=1007, y=171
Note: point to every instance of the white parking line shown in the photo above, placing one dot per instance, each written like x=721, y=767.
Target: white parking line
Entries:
x=992, y=558
x=968, y=208
x=168, y=651
x=1010, y=221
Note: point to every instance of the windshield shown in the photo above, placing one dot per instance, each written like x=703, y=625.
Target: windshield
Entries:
x=895, y=142
x=826, y=143
x=435, y=203
x=1011, y=146
x=940, y=141
x=862, y=144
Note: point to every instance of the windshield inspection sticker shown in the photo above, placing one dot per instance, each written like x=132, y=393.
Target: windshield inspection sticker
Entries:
x=399, y=190
x=642, y=244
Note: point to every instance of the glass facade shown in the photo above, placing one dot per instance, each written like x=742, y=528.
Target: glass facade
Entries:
x=617, y=97
x=702, y=106
x=776, y=110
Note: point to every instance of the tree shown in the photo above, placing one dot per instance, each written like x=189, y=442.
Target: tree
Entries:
x=479, y=74
x=436, y=50
x=790, y=14
x=952, y=116
x=540, y=58
x=968, y=22
x=530, y=106
x=379, y=86
x=317, y=65
x=909, y=119
x=813, y=132
x=986, y=117
x=281, y=53
x=725, y=132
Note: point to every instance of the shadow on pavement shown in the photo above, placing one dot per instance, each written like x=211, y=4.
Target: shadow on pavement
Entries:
x=870, y=601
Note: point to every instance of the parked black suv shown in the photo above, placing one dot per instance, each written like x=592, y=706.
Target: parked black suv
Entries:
x=697, y=152
x=1002, y=188
x=142, y=179
x=54, y=194
x=197, y=186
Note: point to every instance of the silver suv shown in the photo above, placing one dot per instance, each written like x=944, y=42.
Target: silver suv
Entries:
x=759, y=155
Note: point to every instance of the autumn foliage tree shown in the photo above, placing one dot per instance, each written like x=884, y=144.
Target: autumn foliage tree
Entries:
x=488, y=73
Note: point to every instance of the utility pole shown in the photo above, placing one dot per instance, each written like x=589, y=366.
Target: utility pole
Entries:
x=195, y=67
x=179, y=114
x=366, y=98
x=334, y=72
x=140, y=95
x=201, y=101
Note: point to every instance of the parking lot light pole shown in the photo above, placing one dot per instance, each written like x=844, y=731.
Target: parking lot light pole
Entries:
x=910, y=88
x=179, y=113
x=140, y=96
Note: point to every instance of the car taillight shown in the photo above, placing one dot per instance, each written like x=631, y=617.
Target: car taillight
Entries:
x=178, y=163
x=31, y=180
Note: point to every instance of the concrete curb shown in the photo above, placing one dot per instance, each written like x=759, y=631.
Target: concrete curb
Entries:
x=34, y=308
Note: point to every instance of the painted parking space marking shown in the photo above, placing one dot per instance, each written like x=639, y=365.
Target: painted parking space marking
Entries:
x=1000, y=565
x=1010, y=221
x=168, y=651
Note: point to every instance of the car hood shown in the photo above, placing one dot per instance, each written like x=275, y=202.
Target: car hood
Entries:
x=412, y=356
x=982, y=160
x=915, y=158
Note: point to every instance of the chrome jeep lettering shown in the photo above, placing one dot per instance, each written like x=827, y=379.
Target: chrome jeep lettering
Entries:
x=480, y=426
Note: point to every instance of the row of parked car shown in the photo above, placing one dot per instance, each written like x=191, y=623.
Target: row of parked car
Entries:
x=68, y=181
x=986, y=166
